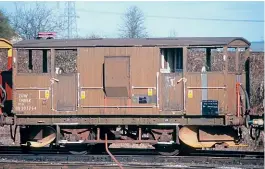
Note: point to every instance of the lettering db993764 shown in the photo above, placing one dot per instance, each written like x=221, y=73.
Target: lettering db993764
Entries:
x=187, y=92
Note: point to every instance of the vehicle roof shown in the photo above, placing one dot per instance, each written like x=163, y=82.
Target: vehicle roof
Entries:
x=123, y=42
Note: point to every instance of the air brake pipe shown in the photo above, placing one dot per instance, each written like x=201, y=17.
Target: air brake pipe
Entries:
x=107, y=149
x=246, y=96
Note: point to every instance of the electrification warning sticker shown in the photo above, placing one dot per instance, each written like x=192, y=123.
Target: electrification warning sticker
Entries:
x=47, y=94
x=150, y=92
x=83, y=94
x=190, y=94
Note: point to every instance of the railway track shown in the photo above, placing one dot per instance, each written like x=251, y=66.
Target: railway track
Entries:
x=130, y=151
x=43, y=158
x=128, y=161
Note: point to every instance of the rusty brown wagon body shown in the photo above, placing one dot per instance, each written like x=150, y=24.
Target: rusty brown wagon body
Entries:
x=144, y=83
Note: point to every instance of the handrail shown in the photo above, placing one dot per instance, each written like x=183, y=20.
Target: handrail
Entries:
x=206, y=87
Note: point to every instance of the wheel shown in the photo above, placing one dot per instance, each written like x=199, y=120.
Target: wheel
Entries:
x=25, y=149
x=79, y=149
x=99, y=148
x=78, y=152
x=167, y=150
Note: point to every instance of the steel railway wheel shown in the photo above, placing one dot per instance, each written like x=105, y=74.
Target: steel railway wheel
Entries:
x=37, y=137
x=167, y=150
x=79, y=149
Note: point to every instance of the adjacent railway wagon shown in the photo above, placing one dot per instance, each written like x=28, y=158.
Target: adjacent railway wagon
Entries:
x=154, y=91
x=5, y=76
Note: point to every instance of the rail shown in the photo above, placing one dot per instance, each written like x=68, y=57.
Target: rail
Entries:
x=136, y=159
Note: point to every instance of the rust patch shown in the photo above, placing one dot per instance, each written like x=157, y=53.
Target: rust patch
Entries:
x=216, y=134
x=164, y=135
x=76, y=134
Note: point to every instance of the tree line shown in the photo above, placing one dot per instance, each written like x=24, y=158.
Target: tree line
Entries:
x=27, y=22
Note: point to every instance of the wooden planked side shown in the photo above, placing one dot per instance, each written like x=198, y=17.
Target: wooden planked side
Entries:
x=193, y=105
x=171, y=92
x=216, y=79
x=143, y=68
x=37, y=81
x=28, y=102
x=231, y=92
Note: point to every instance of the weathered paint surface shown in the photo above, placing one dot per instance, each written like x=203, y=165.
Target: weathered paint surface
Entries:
x=171, y=92
x=25, y=103
x=65, y=93
x=88, y=92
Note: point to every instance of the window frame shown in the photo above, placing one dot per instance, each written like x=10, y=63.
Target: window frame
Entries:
x=28, y=57
x=170, y=54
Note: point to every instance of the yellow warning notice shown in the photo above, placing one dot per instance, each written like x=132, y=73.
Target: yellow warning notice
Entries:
x=83, y=94
x=150, y=92
x=190, y=94
x=47, y=94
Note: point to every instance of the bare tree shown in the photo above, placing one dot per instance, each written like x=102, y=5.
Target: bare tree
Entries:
x=93, y=36
x=28, y=22
x=133, y=24
x=90, y=36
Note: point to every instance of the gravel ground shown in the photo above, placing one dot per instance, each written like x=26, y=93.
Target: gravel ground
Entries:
x=252, y=145
x=5, y=137
x=136, y=160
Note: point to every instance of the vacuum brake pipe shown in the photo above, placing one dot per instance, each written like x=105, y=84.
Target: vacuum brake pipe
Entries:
x=247, y=105
x=246, y=95
x=238, y=97
x=107, y=149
